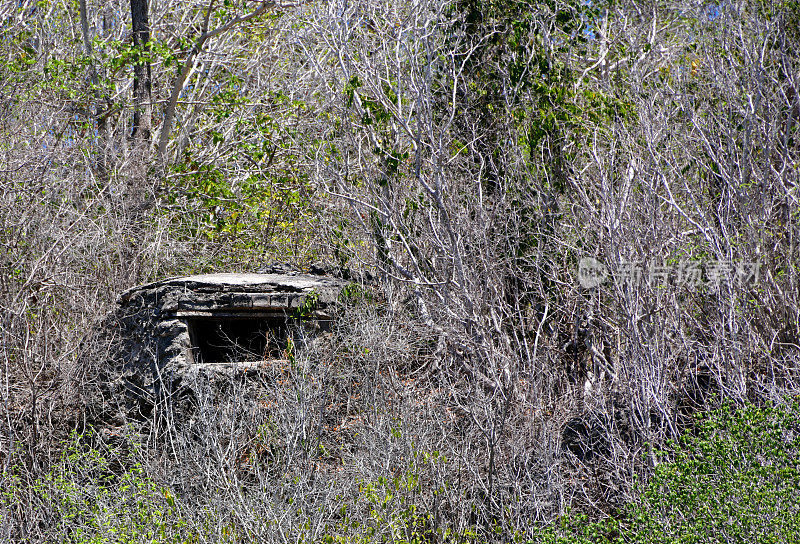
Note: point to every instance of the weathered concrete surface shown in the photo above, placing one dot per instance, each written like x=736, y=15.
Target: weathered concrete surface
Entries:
x=157, y=334
x=220, y=292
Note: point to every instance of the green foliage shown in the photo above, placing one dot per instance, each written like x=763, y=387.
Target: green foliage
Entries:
x=309, y=305
x=253, y=215
x=375, y=116
x=525, y=54
x=354, y=294
x=395, y=511
x=737, y=479
x=92, y=499
x=577, y=529
x=265, y=209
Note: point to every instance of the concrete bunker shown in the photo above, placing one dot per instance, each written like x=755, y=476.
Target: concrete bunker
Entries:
x=168, y=332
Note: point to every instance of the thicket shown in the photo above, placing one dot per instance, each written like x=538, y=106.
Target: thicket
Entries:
x=482, y=163
x=734, y=479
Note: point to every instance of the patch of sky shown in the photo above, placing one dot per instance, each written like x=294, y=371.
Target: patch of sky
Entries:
x=592, y=19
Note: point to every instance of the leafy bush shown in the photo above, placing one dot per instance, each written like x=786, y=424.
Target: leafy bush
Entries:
x=88, y=496
x=737, y=479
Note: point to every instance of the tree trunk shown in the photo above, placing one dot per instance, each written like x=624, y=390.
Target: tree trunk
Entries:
x=142, y=92
x=103, y=106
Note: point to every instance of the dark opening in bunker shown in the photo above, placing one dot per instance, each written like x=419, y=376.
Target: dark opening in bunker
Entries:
x=235, y=338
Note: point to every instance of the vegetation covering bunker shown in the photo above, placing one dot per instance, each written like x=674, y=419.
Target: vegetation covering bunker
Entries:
x=168, y=331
